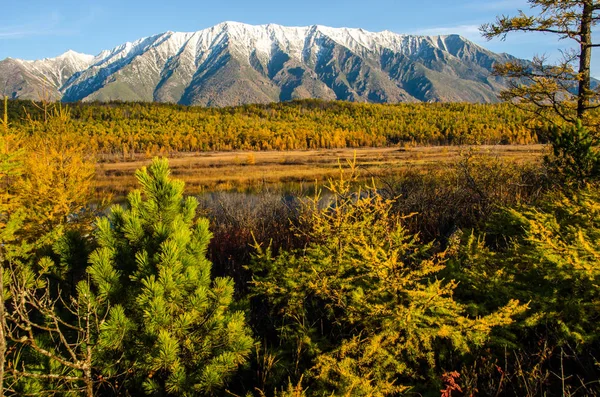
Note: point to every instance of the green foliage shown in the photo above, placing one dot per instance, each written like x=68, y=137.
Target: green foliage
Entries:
x=185, y=338
x=361, y=308
x=54, y=333
x=561, y=247
x=576, y=155
x=547, y=255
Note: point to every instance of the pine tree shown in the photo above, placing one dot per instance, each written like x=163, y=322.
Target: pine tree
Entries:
x=563, y=90
x=184, y=336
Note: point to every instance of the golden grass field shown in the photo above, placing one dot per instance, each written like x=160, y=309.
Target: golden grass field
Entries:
x=214, y=171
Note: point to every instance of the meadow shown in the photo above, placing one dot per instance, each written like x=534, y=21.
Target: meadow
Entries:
x=289, y=171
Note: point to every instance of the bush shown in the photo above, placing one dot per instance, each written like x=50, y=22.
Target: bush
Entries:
x=360, y=310
x=548, y=255
x=576, y=158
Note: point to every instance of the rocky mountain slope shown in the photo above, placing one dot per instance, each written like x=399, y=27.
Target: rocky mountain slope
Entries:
x=43, y=78
x=234, y=63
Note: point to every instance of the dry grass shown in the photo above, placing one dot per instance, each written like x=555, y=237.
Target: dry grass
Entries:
x=216, y=171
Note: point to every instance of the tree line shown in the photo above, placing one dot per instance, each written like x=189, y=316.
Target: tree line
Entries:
x=141, y=128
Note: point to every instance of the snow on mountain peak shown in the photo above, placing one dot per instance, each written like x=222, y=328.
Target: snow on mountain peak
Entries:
x=233, y=62
x=261, y=40
x=74, y=55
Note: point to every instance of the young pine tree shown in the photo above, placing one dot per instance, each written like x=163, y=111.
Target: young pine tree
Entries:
x=185, y=337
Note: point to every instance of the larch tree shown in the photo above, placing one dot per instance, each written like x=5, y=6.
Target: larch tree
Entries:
x=57, y=185
x=185, y=336
x=47, y=338
x=564, y=88
x=553, y=262
x=360, y=310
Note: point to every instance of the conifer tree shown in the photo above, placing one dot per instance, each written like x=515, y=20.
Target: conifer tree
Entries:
x=184, y=335
x=55, y=336
x=57, y=185
x=51, y=335
x=559, y=248
x=548, y=255
x=576, y=154
x=562, y=90
x=361, y=308
x=550, y=87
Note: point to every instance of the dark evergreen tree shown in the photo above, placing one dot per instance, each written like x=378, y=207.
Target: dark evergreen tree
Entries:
x=576, y=154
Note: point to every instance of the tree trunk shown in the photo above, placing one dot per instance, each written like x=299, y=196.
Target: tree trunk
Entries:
x=585, y=59
x=2, y=329
x=89, y=382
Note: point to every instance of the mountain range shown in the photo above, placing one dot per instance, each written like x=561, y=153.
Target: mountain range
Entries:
x=234, y=63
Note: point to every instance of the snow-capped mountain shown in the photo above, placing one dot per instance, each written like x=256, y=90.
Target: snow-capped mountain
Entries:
x=42, y=78
x=234, y=63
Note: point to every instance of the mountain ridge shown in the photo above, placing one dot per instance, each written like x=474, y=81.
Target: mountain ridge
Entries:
x=234, y=63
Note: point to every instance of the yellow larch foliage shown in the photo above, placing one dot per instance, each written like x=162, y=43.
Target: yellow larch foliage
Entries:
x=59, y=169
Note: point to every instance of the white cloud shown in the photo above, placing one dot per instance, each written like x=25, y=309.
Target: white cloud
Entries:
x=47, y=25
x=8, y=34
x=14, y=34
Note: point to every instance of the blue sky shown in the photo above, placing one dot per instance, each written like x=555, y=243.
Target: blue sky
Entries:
x=33, y=29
